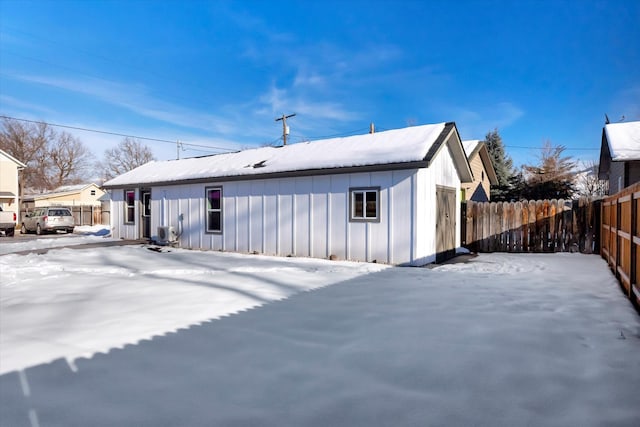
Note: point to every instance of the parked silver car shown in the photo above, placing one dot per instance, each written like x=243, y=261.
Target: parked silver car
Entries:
x=43, y=220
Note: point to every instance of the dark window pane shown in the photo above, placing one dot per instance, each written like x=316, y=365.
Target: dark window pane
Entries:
x=214, y=223
x=130, y=198
x=372, y=211
x=214, y=199
x=130, y=214
x=358, y=205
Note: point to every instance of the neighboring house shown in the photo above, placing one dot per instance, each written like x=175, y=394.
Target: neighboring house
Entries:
x=390, y=197
x=620, y=155
x=68, y=195
x=484, y=175
x=10, y=181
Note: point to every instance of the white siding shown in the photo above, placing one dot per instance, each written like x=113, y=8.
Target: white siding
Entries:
x=401, y=222
x=441, y=172
x=120, y=229
x=303, y=216
x=308, y=216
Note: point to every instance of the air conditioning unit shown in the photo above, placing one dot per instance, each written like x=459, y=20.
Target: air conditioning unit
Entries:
x=167, y=235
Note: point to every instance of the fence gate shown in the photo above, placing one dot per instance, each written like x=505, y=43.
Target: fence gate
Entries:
x=532, y=226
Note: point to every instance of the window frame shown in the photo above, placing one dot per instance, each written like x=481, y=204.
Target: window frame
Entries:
x=207, y=210
x=352, y=204
x=129, y=208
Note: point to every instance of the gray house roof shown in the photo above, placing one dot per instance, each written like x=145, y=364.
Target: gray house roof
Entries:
x=410, y=147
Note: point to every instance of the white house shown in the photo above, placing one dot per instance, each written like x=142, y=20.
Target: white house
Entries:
x=391, y=197
x=10, y=181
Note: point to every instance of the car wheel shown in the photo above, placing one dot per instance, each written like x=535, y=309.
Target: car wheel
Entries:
x=38, y=230
x=23, y=229
x=10, y=232
x=70, y=230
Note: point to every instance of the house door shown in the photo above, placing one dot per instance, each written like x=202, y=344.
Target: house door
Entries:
x=145, y=195
x=445, y=223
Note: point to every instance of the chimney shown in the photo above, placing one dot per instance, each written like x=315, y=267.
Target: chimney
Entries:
x=372, y=128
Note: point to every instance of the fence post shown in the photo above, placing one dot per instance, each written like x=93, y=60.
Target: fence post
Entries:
x=517, y=226
x=553, y=206
x=463, y=223
x=632, y=243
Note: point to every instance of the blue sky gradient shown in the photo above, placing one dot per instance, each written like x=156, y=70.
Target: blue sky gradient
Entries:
x=217, y=73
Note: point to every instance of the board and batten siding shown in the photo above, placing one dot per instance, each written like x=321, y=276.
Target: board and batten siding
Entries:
x=307, y=216
x=121, y=229
x=481, y=179
x=302, y=216
x=441, y=172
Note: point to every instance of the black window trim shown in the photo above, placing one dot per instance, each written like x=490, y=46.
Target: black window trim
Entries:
x=206, y=209
x=364, y=190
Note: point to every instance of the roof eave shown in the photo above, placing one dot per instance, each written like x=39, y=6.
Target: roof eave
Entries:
x=488, y=164
x=274, y=175
x=16, y=161
x=604, y=165
x=460, y=159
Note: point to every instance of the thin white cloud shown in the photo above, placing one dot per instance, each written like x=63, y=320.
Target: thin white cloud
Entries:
x=134, y=97
x=475, y=123
x=280, y=101
x=9, y=102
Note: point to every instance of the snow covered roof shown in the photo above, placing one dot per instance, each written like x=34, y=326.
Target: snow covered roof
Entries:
x=393, y=147
x=470, y=146
x=620, y=143
x=65, y=189
x=475, y=147
x=624, y=140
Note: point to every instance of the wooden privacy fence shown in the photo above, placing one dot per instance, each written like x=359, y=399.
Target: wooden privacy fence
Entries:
x=531, y=226
x=83, y=215
x=621, y=237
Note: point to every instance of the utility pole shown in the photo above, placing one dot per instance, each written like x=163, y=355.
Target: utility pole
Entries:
x=178, y=146
x=285, y=129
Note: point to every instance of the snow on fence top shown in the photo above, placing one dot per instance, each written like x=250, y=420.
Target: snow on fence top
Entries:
x=394, y=146
x=624, y=140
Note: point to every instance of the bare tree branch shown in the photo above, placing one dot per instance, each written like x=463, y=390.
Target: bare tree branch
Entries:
x=126, y=156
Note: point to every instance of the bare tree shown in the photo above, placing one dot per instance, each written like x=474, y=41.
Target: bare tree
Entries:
x=26, y=142
x=552, y=177
x=588, y=183
x=68, y=161
x=52, y=159
x=127, y=155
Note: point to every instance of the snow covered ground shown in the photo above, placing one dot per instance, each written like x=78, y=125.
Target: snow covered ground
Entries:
x=82, y=235
x=128, y=336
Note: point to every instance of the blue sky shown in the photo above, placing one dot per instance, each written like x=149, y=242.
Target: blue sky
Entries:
x=217, y=73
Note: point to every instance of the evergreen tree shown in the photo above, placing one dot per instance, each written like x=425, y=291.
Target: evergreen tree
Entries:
x=502, y=164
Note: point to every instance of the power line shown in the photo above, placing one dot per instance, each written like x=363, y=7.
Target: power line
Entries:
x=117, y=134
x=538, y=148
x=103, y=58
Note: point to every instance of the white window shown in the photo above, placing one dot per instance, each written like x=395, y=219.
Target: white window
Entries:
x=129, y=206
x=365, y=204
x=213, y=209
